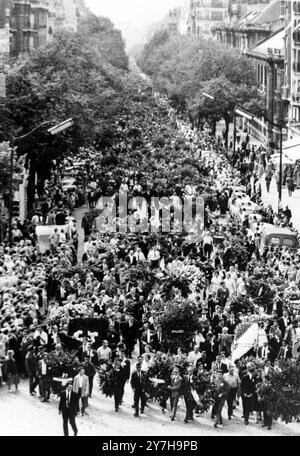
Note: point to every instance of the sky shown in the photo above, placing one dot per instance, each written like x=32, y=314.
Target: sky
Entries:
x=137, y=12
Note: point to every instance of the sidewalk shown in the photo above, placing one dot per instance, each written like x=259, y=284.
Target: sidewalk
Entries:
x=292, y=202
x=221, y=125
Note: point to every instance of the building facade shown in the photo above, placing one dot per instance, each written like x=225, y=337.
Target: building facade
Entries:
x=204, y=15
x=269, y=61
x=177, y=18
x=250, y=22
x=27, y=24
x=291, y=88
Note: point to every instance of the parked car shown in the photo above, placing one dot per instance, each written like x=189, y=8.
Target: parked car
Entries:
x=272, y=235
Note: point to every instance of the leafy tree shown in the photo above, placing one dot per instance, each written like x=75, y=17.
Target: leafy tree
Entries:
x=228, y=94
x=183, y=67
x=80, y=75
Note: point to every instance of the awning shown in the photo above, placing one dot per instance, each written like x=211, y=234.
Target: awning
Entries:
x=291, y=149
x=286, y=159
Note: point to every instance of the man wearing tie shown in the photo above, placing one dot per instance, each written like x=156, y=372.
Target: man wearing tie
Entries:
x=93, y=359
x=68, y=407
x=175, y=388
x=284, y=322
x=146, y=337
x=285, y=351
x=187, y=385
x=138, y=386
x=43, y=375
x=247, y=392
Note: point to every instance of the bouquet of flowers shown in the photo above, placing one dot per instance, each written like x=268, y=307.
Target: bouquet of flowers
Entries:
x=106, y=379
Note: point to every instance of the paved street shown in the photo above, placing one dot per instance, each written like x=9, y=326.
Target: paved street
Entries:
x=293, y=202
x=33, y=418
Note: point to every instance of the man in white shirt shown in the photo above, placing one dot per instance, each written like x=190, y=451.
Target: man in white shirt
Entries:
x=81, y=388
x=233, y=379
x=194, y=355
x=153, y=257
x=104, y=353
x=43, y=378
x=41, y=336
x=139, y=256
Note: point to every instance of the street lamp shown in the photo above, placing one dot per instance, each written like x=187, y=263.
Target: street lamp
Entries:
x=242, y=113
x=54, y=130
x=207, y=95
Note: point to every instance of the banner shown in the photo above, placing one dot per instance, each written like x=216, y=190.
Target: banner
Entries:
x=243, y=344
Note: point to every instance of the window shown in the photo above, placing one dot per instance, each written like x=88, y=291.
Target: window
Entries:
x=288, y=242
x=296, y=7
x=274, y=241
x=217, y=15
x=216, y=3
x=296, y=64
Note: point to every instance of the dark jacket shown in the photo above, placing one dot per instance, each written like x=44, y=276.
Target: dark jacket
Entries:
x=31, y=364
x=248, y=386
x=186, y=386
x=175, y=387
x=73, y=409
x=138, y=383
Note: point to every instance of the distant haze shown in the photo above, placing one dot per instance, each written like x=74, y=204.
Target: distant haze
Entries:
x=133, y=16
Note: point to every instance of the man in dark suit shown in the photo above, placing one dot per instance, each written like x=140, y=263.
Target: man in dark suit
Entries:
x=285, y=352
x=284, y=322
x=222, y=295
x=125, y=370
x=274, y=347
x=146, y=337
x=138, y=383
x=88, y=354
x=113, y=338
x=222, y=392
x=211, y=347
x=61, y=293
x=130, y=334
x=187, y=385
x=248, y=392
x=175, y=388
x=68, y=407
x=231, y=323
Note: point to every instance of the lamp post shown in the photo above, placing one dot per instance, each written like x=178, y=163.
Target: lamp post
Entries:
x=207, y=95
x=54, y=130
x=242, y=113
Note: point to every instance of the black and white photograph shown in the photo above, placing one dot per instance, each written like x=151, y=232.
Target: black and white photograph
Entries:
x=149, y=221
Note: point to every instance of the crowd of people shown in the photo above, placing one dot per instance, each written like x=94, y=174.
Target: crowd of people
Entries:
x=104, y=319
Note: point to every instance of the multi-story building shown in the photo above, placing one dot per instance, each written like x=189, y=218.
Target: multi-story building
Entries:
x=249, y=23
x=177, y=19
x=204, y=15
x=291, y=88
x=268, y=58
x=4, y=27
x=27, y=24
